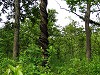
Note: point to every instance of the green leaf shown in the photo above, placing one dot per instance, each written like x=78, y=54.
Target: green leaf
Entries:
x=8, y=71
x=19, y=72
x=12, y=68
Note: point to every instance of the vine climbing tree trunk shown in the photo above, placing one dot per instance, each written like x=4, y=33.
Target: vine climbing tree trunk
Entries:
x=16, y=30
x=88, y=31
x=43, y=39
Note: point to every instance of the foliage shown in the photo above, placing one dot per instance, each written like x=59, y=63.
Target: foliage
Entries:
x=6, y=36
x=82, y=7
x=66, y=47
x=26, y=8
x=66, y=52
x=31, y=64
x=13, y=70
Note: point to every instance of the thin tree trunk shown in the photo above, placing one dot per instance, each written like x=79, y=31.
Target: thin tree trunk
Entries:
x=88, y=31
x=16, y=30
x=43, y=39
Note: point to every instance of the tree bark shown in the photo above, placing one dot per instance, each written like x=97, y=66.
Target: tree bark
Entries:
x=16, y=30
x=43, y=39
x=88, y=31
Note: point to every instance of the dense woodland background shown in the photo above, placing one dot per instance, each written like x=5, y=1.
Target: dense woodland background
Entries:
x=34, y=45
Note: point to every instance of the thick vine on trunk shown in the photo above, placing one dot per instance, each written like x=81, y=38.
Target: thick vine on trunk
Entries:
x=88, y=31
x=16, y=30
x=43, y=39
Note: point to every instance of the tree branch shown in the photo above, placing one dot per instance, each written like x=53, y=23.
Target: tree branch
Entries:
x=95, y=10
x=81, y=17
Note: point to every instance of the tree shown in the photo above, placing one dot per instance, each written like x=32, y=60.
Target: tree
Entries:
x=88, y=31
x=13, y=8
x=82, y=8
x=16, y=30
x=43, y=39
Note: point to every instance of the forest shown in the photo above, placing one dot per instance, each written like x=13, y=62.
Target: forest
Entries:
x=31, y=43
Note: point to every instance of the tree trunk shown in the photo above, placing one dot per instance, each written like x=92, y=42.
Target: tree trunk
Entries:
x=88, y=31
x=16, y=30
x=43, y=39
